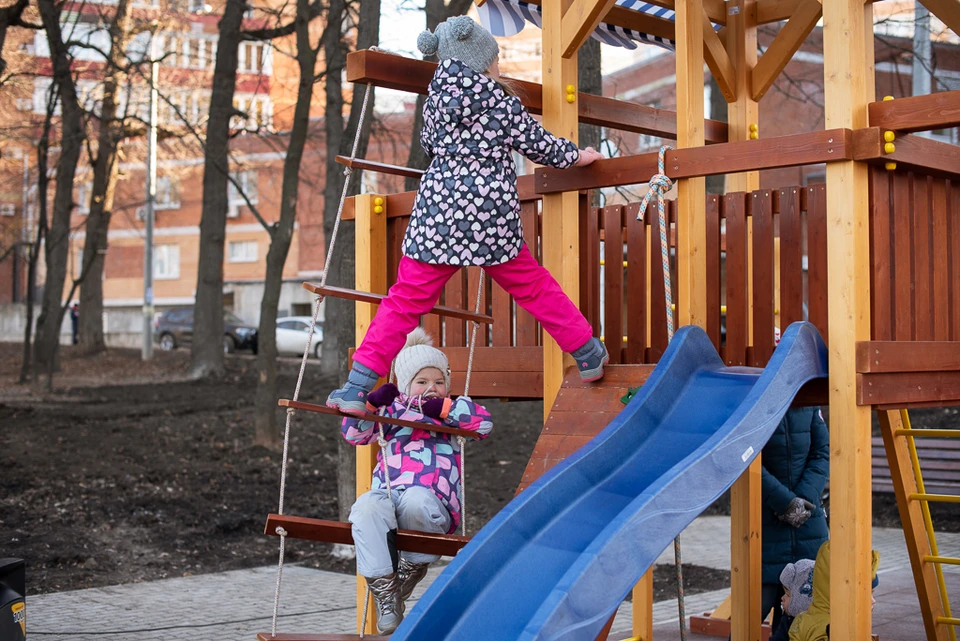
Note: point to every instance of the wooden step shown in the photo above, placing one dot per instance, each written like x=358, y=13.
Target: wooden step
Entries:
x=376, y=299
x=299, y=527
x=386, y=420
x=379, y=167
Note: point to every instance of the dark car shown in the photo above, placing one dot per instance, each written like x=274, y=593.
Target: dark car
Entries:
x=174, y=328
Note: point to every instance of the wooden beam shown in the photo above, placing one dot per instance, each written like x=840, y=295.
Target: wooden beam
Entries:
x=376, y=299
x=848, y=71
x=948, y=11
x=828, y=146
x=579, y=21
x=918, y=113
x=907, y=356
x=776, y=10
x=914, y=530
x=379, y=167
x=908, y=389
x=718, y=61
x=784, y=45
x=298, y=527
x=267, y=636
x=413, y=76
x=370, y=248
x=914, y=153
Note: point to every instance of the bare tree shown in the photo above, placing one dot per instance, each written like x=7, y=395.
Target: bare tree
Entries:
x=590, y=80
x=105, y=169
x=56, y=243
x=339, y=330
x=12, y=16
x=281, y=233
x=436, y=12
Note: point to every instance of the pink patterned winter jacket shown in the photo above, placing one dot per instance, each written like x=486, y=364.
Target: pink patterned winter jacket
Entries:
x=420, y=457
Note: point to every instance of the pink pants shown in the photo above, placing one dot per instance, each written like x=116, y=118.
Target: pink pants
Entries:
x=418, y=289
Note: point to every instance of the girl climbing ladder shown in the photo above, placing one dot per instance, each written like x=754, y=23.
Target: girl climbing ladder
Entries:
x=467, y=210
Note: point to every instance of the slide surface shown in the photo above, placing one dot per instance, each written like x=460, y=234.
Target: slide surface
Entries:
x=559, y=559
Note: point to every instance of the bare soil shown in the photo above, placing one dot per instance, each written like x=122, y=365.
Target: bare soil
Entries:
x=130, y=471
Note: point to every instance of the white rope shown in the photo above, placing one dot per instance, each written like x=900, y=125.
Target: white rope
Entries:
x=660, y=184
x=366, y=607
x=461, y=441
x=306, y=351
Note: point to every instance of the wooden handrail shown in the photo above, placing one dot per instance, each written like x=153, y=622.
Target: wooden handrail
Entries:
x=376, y=418
x=939, y=110
x=376, y=299
x=299, y=527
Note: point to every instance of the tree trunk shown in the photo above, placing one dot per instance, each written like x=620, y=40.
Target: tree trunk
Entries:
x=105, y=170
x=436, y=11
x=206, y=352
x=339, y=331
x=56, y=244
x=280, y=238
x=590, y=80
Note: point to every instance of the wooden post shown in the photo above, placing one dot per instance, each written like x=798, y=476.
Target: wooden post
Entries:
x=560, y=238
x=745, y=495
x=848, y=73
x=371, y=276
x=643, y=608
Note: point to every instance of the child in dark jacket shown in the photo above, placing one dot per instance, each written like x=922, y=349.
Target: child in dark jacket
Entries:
x=467, y=210
x=423, y=468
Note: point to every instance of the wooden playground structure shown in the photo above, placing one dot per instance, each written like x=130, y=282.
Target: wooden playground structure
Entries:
x=882, y=276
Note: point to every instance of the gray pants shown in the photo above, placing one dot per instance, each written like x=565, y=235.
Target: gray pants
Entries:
x=375, y=515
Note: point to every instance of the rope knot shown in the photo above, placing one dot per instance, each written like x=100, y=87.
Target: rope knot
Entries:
x=660, y=184
x=280, y=531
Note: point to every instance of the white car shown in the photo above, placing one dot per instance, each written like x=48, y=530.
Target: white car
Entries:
x=292, y=332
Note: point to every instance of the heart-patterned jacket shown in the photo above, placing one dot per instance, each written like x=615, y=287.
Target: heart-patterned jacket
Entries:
x=467, y=210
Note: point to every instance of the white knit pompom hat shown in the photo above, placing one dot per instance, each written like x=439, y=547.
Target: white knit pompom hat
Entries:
x=417, y=354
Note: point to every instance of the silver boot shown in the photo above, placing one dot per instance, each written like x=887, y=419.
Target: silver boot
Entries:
x=386, y=594
x=410, y=575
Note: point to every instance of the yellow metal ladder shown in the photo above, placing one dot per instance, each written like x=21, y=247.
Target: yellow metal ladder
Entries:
x=899, y=440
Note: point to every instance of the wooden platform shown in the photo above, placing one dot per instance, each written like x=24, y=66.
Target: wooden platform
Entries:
x=265, y=636
x=580, y=411
x=299, y=527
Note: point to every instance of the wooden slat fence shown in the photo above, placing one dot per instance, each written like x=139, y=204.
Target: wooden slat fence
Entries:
x=751, y=239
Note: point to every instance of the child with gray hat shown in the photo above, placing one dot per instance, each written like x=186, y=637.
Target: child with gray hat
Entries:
x=467, y=210
x=797, y=582
x=422, y=468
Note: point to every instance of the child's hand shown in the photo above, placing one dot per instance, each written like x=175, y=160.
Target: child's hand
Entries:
x=433, y=408
x=383, y=395
x=587, y=156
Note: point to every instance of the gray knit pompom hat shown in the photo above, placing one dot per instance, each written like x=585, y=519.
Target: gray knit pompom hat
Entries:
x=462, y=39
x=419, y=353
x=798, y=578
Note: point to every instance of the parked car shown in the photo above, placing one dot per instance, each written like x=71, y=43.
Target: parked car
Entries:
x=292, y=334
x=174, y=328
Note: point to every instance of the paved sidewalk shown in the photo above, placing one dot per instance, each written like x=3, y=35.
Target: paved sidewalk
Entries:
x=234, y=606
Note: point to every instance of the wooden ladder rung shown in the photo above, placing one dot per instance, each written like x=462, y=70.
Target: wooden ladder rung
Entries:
x=299, y=527
x=376, y=299
x=265, y=636
x=379, y=167
x=376, y=418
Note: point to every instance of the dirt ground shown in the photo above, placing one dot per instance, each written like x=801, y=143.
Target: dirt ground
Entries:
x=133, y=472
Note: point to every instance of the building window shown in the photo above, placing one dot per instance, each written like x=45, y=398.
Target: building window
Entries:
x=166, y=262
x=84, y=191
x=250, y=57
x=168, y=193
x=247, y=179
x=242, y=251
x=7, y=209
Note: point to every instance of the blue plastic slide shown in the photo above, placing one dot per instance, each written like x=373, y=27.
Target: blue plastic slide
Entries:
x=560, y=558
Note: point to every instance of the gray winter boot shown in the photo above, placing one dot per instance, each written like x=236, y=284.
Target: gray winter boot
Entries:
x=386, y=594
x=410, y=575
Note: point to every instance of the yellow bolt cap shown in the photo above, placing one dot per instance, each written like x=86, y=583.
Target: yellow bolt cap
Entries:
x=754, y=128
x=885, y=98
x=889, y=136
x=890, y=166
x=571, y=97
x=754, y=135
x=889, y=148
x=571, y=89
x=378, y=209
x=378, y=200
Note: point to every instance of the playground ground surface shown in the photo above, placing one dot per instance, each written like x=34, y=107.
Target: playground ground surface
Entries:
x=131, y=472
